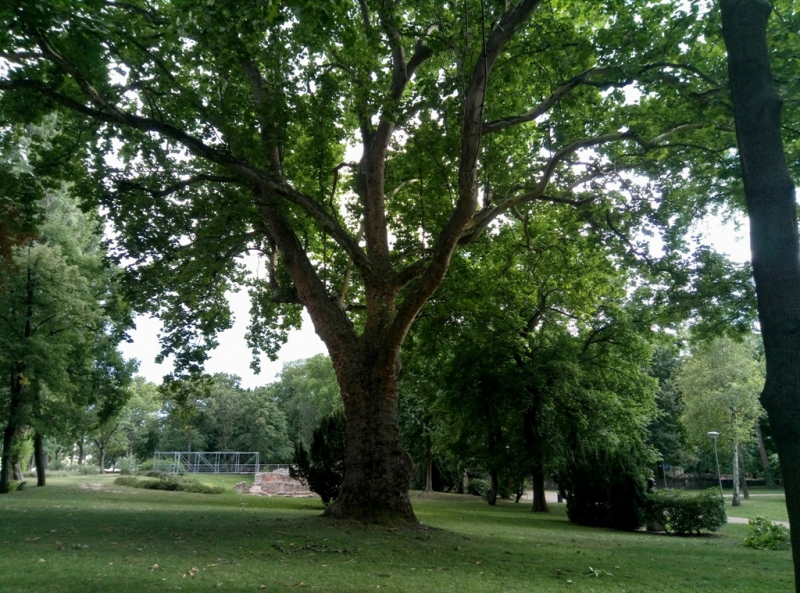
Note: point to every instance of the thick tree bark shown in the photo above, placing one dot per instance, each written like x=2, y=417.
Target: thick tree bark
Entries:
x=539, y=500
x=377, y=469
x=39, y=456
x=772, y=210
x=533, y=439
x=10, y=432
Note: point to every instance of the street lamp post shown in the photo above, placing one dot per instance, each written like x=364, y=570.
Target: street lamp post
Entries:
x=714, y=434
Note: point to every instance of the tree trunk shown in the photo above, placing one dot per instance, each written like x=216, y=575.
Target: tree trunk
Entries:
x=762, y=452
x=101, y=462
x=10, y=433
x=736, y=502
x=539, y=500
x=743, y=476
x=530, y=429
x=772, y=210
x=493, y=485
x=377, y=469
x=80, y=452
x=38, y=454
x=428, y=464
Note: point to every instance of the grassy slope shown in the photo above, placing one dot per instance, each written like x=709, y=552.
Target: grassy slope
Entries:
x=112, y=539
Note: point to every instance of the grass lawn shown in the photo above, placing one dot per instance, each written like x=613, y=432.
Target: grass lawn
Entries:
x=84, y=534
x=771, y=506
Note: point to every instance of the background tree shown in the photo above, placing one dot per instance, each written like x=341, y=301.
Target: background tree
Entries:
x=525, y=344
x=140, y=419
x=236, y=419
x=306, y=391
x=666, y=432
x=720, y=385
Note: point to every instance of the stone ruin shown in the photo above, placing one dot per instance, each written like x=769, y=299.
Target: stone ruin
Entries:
x=275, y=483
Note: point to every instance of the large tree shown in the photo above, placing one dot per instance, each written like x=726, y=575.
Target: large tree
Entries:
x=772, y=210
x=229, y=121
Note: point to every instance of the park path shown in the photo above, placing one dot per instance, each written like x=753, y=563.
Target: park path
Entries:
x=745, y=520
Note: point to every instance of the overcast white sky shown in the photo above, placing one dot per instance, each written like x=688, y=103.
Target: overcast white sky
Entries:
x=233, y=356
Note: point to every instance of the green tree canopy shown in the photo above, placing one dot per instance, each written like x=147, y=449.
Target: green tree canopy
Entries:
x=229, y=123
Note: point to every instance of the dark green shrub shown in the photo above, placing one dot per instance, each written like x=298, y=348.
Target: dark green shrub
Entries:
x=605, y=490
x=145, y=466
x=322, y=468
x=479, y=487
x=156, y=474
x=763, y=534
x=16, y=485
x=683, y=513
x=169, y=484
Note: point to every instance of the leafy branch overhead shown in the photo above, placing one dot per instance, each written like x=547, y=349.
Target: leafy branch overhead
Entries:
x=251, y=137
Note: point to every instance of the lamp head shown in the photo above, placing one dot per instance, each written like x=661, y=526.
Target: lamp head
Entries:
x=713, y=434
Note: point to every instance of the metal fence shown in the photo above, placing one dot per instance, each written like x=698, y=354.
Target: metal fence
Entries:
x=217, y=462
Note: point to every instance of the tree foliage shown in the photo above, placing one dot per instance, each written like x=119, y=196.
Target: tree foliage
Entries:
x=322, y=466
x=230, y=122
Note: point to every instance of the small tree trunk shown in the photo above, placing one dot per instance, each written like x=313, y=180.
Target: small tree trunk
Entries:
x=736, y=502
x=428, y=465
x=102, y=460
x=743, y=474
x=38, y=453
x=493, y=485
x=762, y=452
x=80, y=452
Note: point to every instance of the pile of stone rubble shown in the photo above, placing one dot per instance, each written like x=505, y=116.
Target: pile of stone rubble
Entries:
x=275, y=483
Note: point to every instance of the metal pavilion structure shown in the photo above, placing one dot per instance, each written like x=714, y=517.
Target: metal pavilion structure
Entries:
x=216, y=462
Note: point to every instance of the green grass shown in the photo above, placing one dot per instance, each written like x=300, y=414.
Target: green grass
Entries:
x=772, y=506
x=70, y=537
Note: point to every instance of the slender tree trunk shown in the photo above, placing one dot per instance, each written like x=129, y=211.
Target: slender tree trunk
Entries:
x=772, y=209
x=101, y=462
x=736, y=502
x=377, y=469
x=762, y=452
x=80, y=452
x=743, y=476
x=38, y=454
x=493, y=485
x=428, y=464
